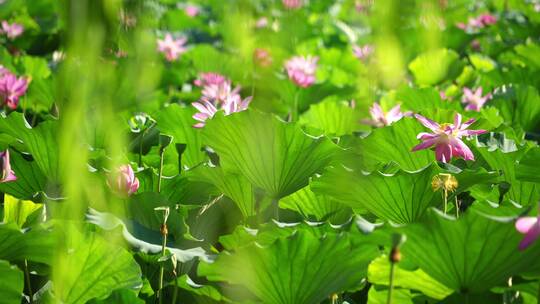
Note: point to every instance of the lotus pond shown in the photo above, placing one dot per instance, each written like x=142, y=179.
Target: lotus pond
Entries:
x=269, y=151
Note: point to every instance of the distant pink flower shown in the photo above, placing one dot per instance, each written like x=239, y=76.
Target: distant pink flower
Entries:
x=301, y=70
x=123, y=181
x=261, y=23
x=262, y=57
x=530, y=226
x=217, y=94
x=446, y=138
x=292, y=4
x=207, y=108
x=362, y=6
x=172, y=48
x=380, y=118
x=474, y=100
x=362, y=52
x=478, y=22
x=191, y=10
x=13, y=30
x=443, y=96
x=7, y=174
x=210, y=78
x=12, y=88
x=487, y=19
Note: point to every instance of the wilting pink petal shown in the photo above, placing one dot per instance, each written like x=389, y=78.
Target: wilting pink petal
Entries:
x=301, y=70
x=172, y=48
x=530, y=226
x=530, y=237
x=447, y=138
x=7, y=174
x=123, y=181
x=13, y=30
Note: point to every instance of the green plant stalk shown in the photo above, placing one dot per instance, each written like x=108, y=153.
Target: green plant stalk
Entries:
x=140, y=147
x=175, y=294
x=162, y=269
x=294, y=112
x=27, y=276
x=445, y=195
x=457, y=207
x=160, y=169
x=391, y=283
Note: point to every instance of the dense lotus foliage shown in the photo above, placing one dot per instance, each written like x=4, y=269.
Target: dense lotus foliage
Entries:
x=269, y=151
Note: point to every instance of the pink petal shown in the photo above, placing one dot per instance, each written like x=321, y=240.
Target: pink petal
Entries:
x=428, y=123
x=443, y=153
x=524, y=224
x=530, y=237
x=426, y=144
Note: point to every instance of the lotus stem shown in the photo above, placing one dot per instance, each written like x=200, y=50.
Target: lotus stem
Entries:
x=161, y=153
x=164, y=233
x=140, y=147
x=445, y=195
x=395, y=257
x=457, y=207
x=27, y=276
x=391, y=283
x=175, y=294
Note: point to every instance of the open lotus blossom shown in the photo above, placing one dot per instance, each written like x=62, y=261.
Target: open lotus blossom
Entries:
x=123, y=181
x=362, y=52
x=13, y=30
x=172, y=48
x=474, y=99
x=7, y=174
x=446, y=138
x=301, y=70
x=206, y=79
x=219, y=92
x=292, y=4
x=207, y=108
x=380, y=118
x=530, y=226
x=12, y=88
x=191, y=10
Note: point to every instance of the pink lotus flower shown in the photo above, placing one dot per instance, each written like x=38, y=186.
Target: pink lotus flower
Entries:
x=262, y=57
x=123, y=181
x=206, y=79
x=13, y=30
x=191, y=10
x=292, y=4
x=7, y=175
x=172, y=48
x=301, y=70
x=362, y=52
x=261, y=23
x=12, y=88
x=530, y=226
x=446, y=138
x=474, y=100
x=219, y=92
x=207, y=109
x=379, y=118
x=443, y=96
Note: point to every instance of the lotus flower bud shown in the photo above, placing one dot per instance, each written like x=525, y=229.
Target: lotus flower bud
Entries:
x=123, y=181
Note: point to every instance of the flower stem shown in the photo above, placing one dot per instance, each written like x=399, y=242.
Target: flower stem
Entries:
x=294, y=112
x=445, y=194
x=27, y=276
x=160, y=169
x=161, y=267
x=391, y=283
x=175, y=294
x=457, y=207
x=140, y=147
